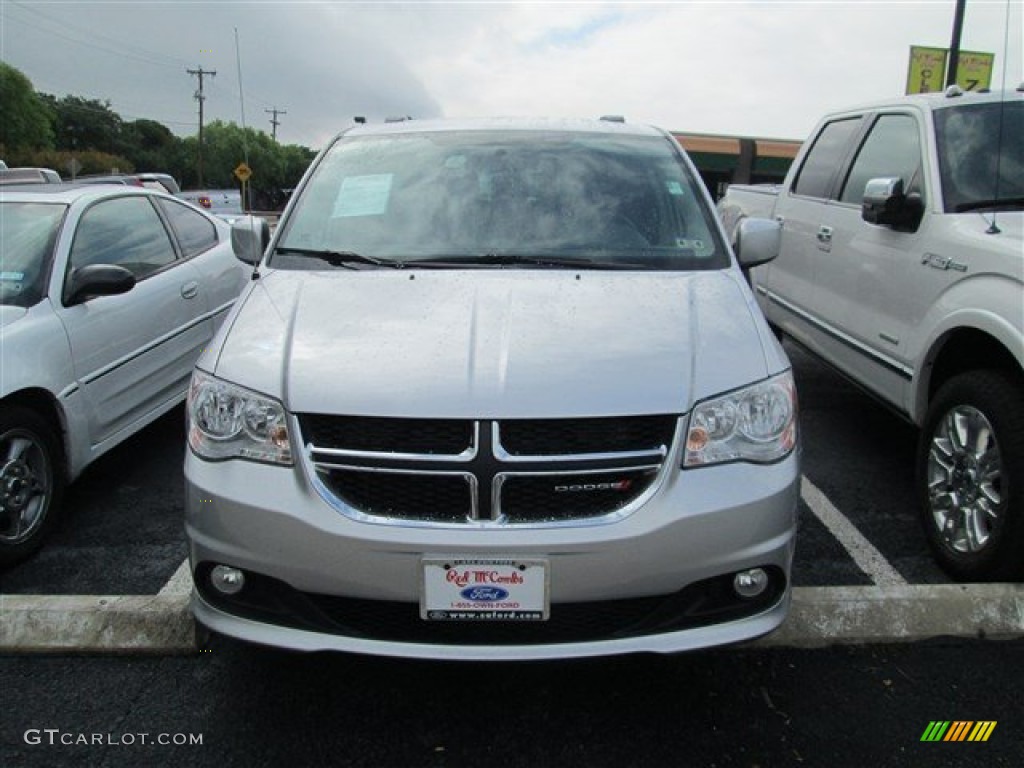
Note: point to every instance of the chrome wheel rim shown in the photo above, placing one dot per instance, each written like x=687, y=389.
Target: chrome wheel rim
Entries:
x=965, y=477
x=25, y=485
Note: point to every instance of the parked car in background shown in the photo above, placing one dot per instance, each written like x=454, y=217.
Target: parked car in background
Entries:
x=162, y=182
x=107, y=296
x=10, y=176
x=498, y=391
x=225, y=203
x=902, y=265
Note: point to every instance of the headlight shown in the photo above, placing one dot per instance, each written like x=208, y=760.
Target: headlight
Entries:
x=756, y=424
x=228, y=422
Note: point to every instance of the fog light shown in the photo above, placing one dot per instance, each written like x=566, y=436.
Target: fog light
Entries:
x=750, y=583
x=227, y=580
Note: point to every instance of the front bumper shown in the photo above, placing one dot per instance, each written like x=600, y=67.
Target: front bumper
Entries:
x=650, y=582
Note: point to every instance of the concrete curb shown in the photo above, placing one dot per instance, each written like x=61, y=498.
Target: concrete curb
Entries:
x=820, y=616
x=159, y=624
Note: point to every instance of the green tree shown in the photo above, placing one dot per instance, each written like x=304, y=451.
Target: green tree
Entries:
x=274, y=167
x=24, y=119
x=80, y=124
x=149, y=145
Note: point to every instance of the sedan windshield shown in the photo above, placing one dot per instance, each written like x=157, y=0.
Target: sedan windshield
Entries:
x=28, y=232
x=981, y=156
x=503, y=199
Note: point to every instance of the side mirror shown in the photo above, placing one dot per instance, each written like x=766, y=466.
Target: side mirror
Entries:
x=97, y=280
x=886, y=204
x=757, y=241
x=250, y=236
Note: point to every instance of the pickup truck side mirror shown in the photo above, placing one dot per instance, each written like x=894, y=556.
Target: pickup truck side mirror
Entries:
x=249, y=238
x=887, y=205
x=757, y=241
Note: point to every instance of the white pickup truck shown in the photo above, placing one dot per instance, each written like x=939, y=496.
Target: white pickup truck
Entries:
x=901, y=266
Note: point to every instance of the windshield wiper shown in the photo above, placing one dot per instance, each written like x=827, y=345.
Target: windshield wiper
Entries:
x=1002, y=202
x=340, y=258
x=519, y=259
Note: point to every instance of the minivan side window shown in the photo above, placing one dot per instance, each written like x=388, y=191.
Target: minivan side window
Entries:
x=892, y=148
x=125, y=232
x=825, y=157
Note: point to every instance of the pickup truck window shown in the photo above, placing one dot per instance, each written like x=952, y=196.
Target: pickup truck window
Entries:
x=972, y=145
x=827, y=154
x=892, y=148
x=480, y=198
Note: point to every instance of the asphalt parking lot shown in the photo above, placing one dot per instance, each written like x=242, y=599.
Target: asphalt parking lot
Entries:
x=122, y=532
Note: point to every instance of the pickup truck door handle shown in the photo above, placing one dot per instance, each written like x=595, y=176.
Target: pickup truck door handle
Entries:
x=190, y=290
x=825, y=234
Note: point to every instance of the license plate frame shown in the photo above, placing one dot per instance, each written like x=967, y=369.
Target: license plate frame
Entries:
x=475, y=589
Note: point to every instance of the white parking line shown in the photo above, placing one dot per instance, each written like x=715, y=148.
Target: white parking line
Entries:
x=180, y=583
x=863, y=552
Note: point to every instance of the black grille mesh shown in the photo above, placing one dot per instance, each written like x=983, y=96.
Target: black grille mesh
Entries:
x=548, y=498
x=385, y=435
x=551, y=437
x=444, y=498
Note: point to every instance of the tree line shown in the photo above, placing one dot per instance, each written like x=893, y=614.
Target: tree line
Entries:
x=74, y=135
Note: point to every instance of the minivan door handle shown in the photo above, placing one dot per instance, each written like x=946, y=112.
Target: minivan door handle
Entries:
x=190, y=290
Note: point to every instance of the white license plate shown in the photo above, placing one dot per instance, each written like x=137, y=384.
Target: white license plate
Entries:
x=484, y=589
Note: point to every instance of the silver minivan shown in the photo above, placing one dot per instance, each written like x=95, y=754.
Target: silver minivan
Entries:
x=497, y=390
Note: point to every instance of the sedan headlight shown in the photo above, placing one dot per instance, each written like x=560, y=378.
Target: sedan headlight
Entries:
x=228, y=422
x=756, y=424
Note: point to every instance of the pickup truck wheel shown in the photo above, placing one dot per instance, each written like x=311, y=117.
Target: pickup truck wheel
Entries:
x=970, y=477
x=31, y=482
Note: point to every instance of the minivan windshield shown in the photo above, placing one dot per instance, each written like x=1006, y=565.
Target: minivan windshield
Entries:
x=28, y=232
x=501, y=199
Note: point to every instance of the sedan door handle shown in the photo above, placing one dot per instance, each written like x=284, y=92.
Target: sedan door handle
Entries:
x=190, y=290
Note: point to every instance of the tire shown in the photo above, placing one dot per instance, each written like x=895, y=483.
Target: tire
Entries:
x=31, y=482
x=970, y=477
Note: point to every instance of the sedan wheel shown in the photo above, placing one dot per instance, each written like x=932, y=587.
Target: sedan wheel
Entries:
x=30, y=483
x=970, y=460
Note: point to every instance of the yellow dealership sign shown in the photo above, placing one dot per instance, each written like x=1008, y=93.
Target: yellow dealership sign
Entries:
x=927, y=71
x=974, y=70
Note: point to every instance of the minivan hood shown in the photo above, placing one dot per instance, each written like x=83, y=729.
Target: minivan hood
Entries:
x=493, y=343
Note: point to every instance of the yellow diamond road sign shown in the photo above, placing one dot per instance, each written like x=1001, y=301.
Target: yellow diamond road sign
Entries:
x=243, y=172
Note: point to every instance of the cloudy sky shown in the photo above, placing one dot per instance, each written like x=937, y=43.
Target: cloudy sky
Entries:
x=765, y=68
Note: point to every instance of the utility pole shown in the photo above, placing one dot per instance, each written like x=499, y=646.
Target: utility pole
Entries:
x=954, y=46
x=274, y=121
x=201, y=98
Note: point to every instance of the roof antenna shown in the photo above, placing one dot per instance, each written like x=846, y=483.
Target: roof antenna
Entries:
x=993, y=227
x=246, y=196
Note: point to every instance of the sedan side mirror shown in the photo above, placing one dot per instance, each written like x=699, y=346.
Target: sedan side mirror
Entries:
x=757, y=241
x=249, y=238
x=97, y=280
x=886, y=204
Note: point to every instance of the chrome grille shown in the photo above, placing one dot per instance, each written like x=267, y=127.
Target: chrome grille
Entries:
x=455, y=472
